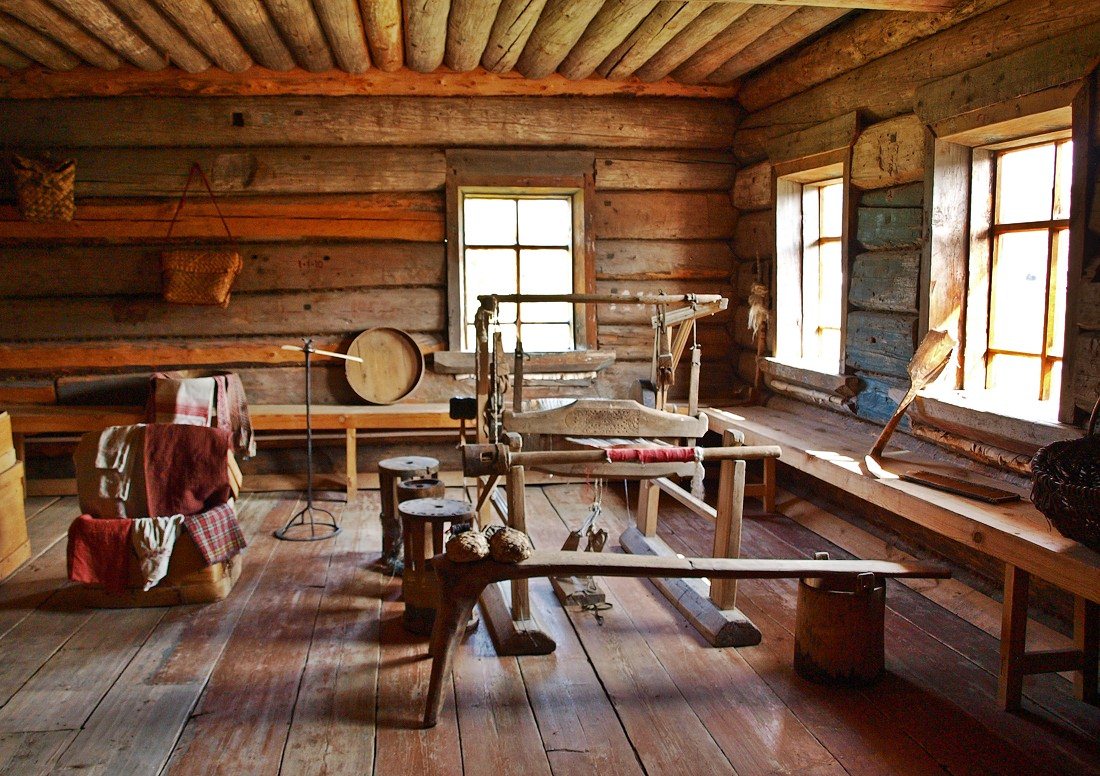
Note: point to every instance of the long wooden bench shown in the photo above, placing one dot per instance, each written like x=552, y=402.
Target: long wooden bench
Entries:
x=351, y=419
x=461, y=584
x=830, y=449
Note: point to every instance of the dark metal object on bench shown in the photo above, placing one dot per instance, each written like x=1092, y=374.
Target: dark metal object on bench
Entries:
x=462, y=583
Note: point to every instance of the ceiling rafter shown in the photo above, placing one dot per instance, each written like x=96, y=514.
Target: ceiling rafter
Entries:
x=48, y=21
x=101, y=20
x=755, y=22
x=616, y=20
x=164, y=35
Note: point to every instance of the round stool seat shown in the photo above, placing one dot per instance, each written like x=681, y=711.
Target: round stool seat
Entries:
x=425, y=522
x=447, y=510
x=391, y=472
x=423, y=487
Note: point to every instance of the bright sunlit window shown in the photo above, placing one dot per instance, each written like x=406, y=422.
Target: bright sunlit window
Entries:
x=810, y=282
x=519, y=244
x=1027, y=276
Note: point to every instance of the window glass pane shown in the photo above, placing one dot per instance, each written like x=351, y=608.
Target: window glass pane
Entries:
x=1064, y=179
x=547, y=337
x=470, y=342
x=829, y=285
x=832, y=209
x=1025, y=184
x=490, y=271
x=1017, y=375
x=1018, y=295
x=488, y=221
x=546, y=272
x=546, y=221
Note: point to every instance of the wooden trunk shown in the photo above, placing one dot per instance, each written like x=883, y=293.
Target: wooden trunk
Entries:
x=188, y=581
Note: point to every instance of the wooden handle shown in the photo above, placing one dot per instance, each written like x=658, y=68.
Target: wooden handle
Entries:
x=344, y=356
x=888, y=429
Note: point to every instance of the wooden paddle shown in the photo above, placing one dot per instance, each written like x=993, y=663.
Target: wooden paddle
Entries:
x=927, y=363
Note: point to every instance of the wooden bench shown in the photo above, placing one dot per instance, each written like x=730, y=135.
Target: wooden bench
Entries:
x=351, y=419
x=461, y=584
x=832, y=449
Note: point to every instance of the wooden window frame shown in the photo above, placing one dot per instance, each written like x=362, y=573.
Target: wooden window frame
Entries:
x=958, y=254
x=791, y=178
x=524, y=173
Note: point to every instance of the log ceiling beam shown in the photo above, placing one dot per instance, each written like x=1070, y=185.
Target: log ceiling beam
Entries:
x=249, y=19
x=922, y=6
x=12, y=59
x=302, y=33
x=50, y=22
x=36, y=47
x=425, y=33
x=662, y=25
x=693, y=37
x=202, y=24
x=511, y=29
x=101, y=20
x=343, y=27
x=756, y=22
x=37, y=83
x=383, y=23
x=163, y=34
x=800, y=25
x=468, y=30
x=559, y=28
x=615, y=21
x=868, y=37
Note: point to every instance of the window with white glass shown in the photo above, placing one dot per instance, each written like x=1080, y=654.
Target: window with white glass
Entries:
x=1027, y=272
x=518, y=243
x=810, y=271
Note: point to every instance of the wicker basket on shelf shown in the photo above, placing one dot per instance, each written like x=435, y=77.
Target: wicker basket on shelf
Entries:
x=199, y=275
x=44, y=188
x=1067, y=485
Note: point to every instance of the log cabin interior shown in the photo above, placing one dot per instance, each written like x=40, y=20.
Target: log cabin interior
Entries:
x=650, y=278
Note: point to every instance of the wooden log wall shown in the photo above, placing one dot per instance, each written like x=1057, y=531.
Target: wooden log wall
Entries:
x=339, y=207
x=875, y=65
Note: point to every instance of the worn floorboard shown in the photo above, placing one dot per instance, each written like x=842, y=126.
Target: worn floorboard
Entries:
x=305, y=669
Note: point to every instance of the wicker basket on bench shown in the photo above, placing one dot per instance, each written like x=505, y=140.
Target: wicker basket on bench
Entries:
x=1067, y=485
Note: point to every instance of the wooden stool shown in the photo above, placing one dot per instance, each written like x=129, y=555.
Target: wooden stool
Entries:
x=425, y=523
x=392, y=471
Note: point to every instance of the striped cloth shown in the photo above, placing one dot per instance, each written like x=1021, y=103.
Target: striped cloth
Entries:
x=216, y=533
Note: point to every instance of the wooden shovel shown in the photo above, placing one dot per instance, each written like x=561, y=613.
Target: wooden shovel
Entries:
x=926, y=365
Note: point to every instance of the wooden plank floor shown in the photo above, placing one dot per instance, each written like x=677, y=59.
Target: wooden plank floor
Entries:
x=305, y=669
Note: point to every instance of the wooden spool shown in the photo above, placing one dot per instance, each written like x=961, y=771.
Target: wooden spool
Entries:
x=839, y=629
x=392, y=365
x=425, y=522
x=392, y=472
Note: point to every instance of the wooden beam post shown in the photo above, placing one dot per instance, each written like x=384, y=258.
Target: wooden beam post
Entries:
x=1010, y=685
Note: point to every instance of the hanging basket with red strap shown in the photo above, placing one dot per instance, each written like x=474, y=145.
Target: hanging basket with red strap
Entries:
x=1067, y=485
x=199, y=275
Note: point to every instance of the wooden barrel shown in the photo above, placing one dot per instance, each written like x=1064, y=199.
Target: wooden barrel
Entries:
x=839, y=630
x=392, y=365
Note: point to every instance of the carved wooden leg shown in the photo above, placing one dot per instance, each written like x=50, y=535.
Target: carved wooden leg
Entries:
x=769, y=485
x=456, y=605
x=351, y=466
x=1013, y=637
x=1086, y=636
x=727, y=529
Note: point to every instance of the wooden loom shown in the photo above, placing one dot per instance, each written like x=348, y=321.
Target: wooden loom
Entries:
x=712, y=610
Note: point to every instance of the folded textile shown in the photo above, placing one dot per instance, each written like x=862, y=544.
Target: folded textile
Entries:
x=153, y=539
x=99, y=552
x=113, y=461
x=232, y=410
x=186, y=469
x=216, y=533
x=188, y=401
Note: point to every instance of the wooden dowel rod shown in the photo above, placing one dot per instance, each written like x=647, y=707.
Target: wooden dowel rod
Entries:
x=487, y=300
x=344, y=356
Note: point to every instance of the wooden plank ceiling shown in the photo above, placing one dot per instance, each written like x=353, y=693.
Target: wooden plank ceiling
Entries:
x=646, y=41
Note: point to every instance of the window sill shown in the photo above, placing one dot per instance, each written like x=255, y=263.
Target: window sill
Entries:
x=454, y=362
x=981, y=416
x=781, y=372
